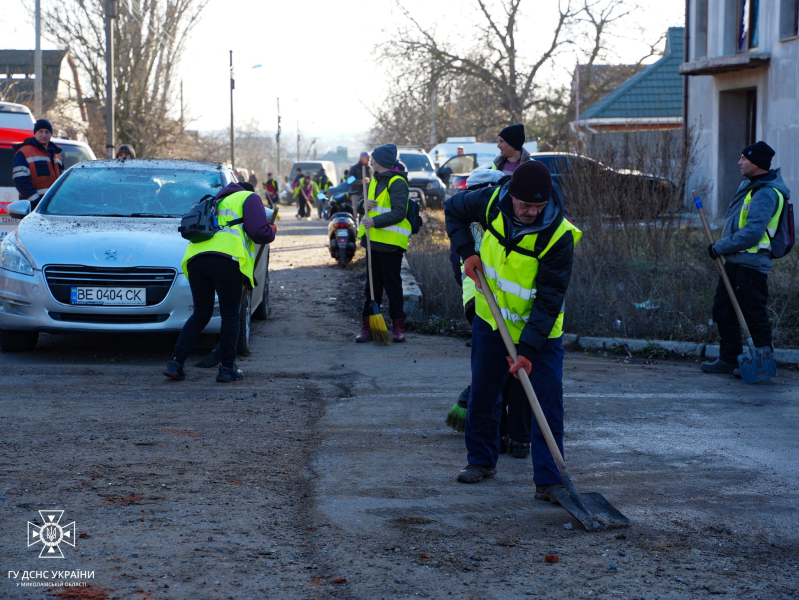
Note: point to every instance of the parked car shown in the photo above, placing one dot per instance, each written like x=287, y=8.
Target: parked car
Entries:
x=422, y=176
x=455, y=171
x=312, y=167
x=102, y=253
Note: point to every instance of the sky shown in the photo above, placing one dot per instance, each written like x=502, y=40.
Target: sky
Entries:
x=319, y=57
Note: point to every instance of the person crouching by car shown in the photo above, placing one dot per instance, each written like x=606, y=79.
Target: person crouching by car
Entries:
x=37, y=163
x=209, y=269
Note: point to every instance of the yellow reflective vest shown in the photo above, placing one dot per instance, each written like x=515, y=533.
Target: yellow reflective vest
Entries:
x=232, y=240
x=396, y=235
x=512, y=275
x=771, y=228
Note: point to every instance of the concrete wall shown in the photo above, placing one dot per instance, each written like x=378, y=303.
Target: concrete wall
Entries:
x=714, y=101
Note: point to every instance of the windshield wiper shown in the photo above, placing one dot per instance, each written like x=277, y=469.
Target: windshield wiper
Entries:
x=154, y=215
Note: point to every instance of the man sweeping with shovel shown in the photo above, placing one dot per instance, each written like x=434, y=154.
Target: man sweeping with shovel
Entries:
x=748, y=245
x=526, y=256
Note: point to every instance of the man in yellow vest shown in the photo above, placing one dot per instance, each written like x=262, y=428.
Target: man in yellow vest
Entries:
x=745, y=244
x=526, y=255
x=222, y=266
x=387, y=210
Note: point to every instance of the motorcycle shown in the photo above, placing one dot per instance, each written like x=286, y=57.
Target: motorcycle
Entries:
x=341, y=229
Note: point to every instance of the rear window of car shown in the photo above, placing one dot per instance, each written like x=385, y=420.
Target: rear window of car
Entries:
x=16, y=119
x=416, y=162
x=72, y=155
x=6, y=167
x=124, y=192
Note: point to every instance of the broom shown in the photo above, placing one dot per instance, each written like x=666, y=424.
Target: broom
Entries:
x=457, y=414
x=377, y=325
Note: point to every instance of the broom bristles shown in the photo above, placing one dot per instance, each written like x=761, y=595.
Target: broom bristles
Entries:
x=377, y=325
x=457, y=418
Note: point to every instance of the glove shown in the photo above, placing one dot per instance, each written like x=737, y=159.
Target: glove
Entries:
x=470, y=265
x=521, y=362
x=371, y=204
x=711, y=251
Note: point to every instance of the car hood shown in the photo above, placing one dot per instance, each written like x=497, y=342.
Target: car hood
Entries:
x=101, y=241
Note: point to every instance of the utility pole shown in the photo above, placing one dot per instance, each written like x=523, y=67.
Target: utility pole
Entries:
x=298, y=140
x=577, y=103
x=232, y=130
x=277, y=140
x=110, y=15
x=433, y=86
x=182, y=125
x=37, y=63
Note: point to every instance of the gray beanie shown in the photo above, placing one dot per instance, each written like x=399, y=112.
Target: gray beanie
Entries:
x=385, y=156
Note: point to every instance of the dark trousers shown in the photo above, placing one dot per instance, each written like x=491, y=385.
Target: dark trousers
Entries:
x=751, y=290
x=209, y=273
x=303, y=209
x=386, y=273
x=489, y=376
x=516, y=416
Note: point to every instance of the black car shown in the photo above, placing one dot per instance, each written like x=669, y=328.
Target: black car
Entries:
x=421, y=175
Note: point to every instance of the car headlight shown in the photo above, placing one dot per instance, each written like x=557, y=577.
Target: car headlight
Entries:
x=13, y=259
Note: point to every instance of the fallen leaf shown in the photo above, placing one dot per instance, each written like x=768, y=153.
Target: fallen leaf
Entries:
x=82, y=534
x=551, y=558
x=425, y=556
x=340, y=580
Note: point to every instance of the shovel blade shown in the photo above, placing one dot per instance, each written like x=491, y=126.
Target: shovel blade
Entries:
x=591, y=509
x=757, y=364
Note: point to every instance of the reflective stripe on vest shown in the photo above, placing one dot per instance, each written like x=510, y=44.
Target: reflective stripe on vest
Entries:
x=512, y=276
x=232, y=240
x=395, y=235
x=771, y=228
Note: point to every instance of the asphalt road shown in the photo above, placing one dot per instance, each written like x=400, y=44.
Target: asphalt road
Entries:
x=329, y=471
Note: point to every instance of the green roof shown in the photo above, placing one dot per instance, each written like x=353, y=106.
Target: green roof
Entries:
x=654, y=92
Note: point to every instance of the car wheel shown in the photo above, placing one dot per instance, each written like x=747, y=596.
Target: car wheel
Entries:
x=18, y=341
x=243, y=345
x=262, y=312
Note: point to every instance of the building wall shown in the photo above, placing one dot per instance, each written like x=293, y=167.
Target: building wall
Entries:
x=714, y=101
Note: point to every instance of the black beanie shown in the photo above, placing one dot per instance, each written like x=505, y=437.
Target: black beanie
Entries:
x=759, y=154
x=42, y=124
x=514, y=135
x=531, y=182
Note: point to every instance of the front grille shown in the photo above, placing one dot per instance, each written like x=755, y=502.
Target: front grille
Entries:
x=105, y=318
x=157, y=280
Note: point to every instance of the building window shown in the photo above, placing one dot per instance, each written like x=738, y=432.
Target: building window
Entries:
x=748, y=30
x=789, y=19
x=751, y=117
x=700, y=37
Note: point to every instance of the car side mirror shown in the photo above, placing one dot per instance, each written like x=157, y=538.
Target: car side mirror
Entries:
x=351, y=179
x=19, y=209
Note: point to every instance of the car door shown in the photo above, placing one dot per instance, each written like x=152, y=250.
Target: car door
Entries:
x=457, y=165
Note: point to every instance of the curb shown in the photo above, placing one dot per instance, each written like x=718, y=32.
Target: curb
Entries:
x=411, y=292
x=693, y=349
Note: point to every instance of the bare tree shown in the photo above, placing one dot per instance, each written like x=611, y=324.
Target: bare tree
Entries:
x=150, y=37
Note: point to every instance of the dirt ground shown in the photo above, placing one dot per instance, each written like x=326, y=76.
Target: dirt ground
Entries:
x=329, y=472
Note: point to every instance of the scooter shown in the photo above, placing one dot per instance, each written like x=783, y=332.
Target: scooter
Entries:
x=341, y=229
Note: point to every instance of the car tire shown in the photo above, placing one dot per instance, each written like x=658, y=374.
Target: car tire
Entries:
x=243, y=345
x=262, y=312
x=18, y=341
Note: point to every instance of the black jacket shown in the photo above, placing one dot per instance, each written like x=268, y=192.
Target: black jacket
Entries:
x=398, y=195
x=554, y=270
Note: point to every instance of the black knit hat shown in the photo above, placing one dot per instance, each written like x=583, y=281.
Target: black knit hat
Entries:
x=514, y=135
x=385, y=156
x=759, y=154
x=42, y=124
x=531, y=182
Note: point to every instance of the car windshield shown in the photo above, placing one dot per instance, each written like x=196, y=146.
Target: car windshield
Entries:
x=130, y=192
x=72, y=155
x=416, y=162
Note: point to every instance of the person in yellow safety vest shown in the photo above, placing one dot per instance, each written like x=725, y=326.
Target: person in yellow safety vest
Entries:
x=210, y=270
x=745, y=244
x=345, y=176
x=512, y=152
x=304, y=193
x=526, y=255
x=387, y=209
x=323, y=184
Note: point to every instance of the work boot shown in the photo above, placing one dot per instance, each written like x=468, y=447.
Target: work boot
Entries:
x=504, y=444
x=718, y=366
x=544, y=492
x=398, y=325
x=475, y=474
x=366, y=332
x=519, y=450
x=174, y=370
x=229, y=374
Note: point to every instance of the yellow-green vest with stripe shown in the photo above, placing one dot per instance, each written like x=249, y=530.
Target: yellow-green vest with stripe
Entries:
x=511, y=276
x=396, y=235
x=771, y=228
x=230, y=240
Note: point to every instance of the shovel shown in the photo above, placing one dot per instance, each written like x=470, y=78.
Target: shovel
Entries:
x=756, y=364
x=591, y=509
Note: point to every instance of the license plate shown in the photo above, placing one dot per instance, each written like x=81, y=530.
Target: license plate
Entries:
x=98, y=296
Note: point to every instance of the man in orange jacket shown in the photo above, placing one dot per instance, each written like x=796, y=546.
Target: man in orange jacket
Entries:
x=37, y=163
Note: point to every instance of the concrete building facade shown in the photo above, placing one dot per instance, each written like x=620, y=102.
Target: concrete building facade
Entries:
x=743, y=85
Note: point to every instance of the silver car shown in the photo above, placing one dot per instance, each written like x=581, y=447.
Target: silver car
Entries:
x=102, y=253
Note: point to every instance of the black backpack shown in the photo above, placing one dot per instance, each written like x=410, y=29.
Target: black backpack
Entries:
x=414, y=216
x=200, y=223
x=784, y=238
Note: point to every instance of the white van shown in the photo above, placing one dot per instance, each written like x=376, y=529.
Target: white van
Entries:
x=485, y=151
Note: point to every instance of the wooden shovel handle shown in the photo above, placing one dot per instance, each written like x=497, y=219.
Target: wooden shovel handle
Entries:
x=722, y=271
x=368, y=239
x=528, y=387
